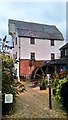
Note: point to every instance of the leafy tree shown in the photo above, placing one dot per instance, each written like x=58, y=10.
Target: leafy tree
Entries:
x=7, y=82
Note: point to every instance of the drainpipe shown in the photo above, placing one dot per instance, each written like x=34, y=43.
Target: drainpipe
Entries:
x=55, y=69
x=19, y=58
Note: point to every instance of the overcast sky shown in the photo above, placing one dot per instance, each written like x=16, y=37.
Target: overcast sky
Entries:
x=53, y=13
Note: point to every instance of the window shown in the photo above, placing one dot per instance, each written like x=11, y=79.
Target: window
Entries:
x=65, y=52
x=32, y=56
x=16, y=41
x=16, y=71
x=52, y=56
x=32, y=40
x=61, y=53
x=52, y=42
x=16, y=55
x=13, y=44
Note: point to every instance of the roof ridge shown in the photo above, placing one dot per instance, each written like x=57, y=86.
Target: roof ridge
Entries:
x=32, y=23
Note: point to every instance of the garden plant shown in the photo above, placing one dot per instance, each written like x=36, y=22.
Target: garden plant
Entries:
x=61, y=92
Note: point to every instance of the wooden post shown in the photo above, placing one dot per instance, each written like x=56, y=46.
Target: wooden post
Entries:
x=48, y=75
x=50, y=103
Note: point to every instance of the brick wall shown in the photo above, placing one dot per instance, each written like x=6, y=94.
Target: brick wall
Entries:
x=27, y=66
x=24, y=67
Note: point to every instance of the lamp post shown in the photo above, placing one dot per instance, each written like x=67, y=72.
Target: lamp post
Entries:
x=50, y=102
x=49, y=84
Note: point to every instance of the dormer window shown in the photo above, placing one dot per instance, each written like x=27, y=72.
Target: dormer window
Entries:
x=32, y=40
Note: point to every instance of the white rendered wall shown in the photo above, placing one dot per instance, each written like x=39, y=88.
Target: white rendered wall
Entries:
x=42, y=49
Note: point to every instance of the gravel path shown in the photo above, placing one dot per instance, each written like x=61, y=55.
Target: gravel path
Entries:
x=33, y=103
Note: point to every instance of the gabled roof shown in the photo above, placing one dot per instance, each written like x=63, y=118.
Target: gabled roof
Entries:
x=29, y=29
x=64, y=47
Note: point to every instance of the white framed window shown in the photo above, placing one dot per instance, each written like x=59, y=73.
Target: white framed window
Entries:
x=32, y=55
x=52, y=43
x=52, y=56
x=32, y=40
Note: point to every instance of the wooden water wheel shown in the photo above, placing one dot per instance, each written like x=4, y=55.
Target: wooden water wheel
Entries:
x=41, y=71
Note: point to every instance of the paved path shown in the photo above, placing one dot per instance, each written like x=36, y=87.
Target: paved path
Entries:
x=33, y=103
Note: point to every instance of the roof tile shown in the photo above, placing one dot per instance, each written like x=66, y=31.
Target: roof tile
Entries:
x=28, y=29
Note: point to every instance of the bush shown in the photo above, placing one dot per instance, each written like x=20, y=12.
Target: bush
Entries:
x=43, y=84
x=58, y=85
x=7, y=83
x=64, y=94
x=56, y=80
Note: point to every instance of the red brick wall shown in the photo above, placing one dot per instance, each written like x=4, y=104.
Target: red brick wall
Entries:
x=24, y=67
x=25, y=64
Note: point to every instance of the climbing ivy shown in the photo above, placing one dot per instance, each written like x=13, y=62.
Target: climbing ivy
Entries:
x=58, y=84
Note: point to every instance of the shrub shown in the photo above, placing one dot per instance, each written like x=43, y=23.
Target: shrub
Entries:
x=58, y=84
x=64, y=94
x=56, y=80
x=43, y=84
x=7, y=83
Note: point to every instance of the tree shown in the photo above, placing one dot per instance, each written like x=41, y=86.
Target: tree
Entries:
x=7, y=82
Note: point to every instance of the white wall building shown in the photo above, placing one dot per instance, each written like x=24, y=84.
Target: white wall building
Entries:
x=33, y=41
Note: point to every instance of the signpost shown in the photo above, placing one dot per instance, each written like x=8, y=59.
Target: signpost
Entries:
x=50, y=103
x=8, y=98
x=48, y=75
